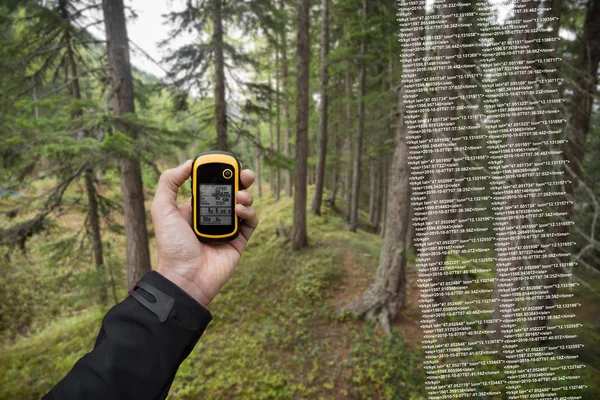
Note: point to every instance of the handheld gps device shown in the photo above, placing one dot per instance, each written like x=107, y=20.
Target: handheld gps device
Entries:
x=215, y=182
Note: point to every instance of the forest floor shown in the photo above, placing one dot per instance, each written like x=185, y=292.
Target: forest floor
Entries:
x=276, y=332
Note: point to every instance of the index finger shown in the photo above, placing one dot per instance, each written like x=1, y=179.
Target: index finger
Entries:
x=247, y=177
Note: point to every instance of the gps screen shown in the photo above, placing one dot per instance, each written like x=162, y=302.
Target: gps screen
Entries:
x=215, y=204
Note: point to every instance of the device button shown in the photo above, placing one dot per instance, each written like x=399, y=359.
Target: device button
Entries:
x=227, y=174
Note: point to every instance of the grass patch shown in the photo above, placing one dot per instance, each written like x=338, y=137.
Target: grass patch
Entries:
x=275, y=333
x=30, y=367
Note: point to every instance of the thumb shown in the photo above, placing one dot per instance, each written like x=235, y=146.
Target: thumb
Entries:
x=165, y=199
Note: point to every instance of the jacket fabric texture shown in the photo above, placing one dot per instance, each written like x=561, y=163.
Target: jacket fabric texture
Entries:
x=136, y=356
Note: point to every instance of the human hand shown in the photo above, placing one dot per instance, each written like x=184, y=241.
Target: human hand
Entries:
x=200, y=269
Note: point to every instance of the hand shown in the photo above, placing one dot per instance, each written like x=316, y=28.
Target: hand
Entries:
x=200, y=269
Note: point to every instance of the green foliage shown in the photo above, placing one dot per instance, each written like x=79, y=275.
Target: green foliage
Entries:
x=33, y=366
x=120, y=144
x=383, y=367
x=36, y=294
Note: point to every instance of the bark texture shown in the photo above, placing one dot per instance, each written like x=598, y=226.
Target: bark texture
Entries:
x=505, y=308
x=355, y=200
x=433, y=231
x=299, y=236
x=323, y=108
x=271, y=148
x=277, y=125
x=219, y=65
x=385, y=183
x=336, y=165
x=348, y=147
x=373, y=190
x=386, y=296
x=287, y=150
x=132, y=194
x=257, y=162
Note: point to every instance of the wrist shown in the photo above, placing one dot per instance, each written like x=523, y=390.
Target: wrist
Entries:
x=185, y=284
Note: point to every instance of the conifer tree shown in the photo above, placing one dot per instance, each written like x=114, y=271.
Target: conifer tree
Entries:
x=191, y=64
x=299, y=235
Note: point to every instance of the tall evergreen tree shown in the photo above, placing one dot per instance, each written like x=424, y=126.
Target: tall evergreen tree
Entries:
x=132, y=192
x=287, y=151
x=324, y=104
x=219, y=67
x=585, y=89
x=199, y=66
x=505, y=307
x=356, y=169
x=72, y=81
x=299, y=235
x=386, y=296
x=53, y=38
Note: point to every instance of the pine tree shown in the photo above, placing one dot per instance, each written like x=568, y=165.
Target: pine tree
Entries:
x=324, y=104
x=356, y=169
x=51, y=49
x=299, y=235
x=191, y=64
x=132, y=193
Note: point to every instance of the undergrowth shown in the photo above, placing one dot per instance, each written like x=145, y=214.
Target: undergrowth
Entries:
x=275, y=333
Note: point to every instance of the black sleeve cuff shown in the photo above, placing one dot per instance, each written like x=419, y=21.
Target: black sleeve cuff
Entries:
x=141, y=344
x=185, y=309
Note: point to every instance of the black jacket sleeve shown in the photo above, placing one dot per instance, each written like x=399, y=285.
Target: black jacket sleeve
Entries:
x=136, y=355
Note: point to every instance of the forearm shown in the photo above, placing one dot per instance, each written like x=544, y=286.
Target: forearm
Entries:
x=136, y=355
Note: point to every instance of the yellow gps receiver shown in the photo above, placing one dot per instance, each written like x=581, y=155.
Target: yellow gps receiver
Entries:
x=215, y=182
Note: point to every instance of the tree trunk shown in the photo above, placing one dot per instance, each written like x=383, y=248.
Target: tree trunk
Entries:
x=322, y=158
x=94, y=223
x=36, y=112
x=220, y=102
x=272, y=166
x=378, y=204
x=556, y=11
x=412, y=233
x=584, y=89
x=299, y=237
x=433, y=232
x=336, y=164
x=348, y=147
x=578, y=126
x=257, y=161
x=385, y=297
x=349, y=150
x=373, y=177
x=386, y=191
x=132, y=193
x=287, y=151
x=506, y=306
x=277, y=127
x=361, y=125
x=93, y=220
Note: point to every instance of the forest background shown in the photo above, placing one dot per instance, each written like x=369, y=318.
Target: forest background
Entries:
x=322, y=305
